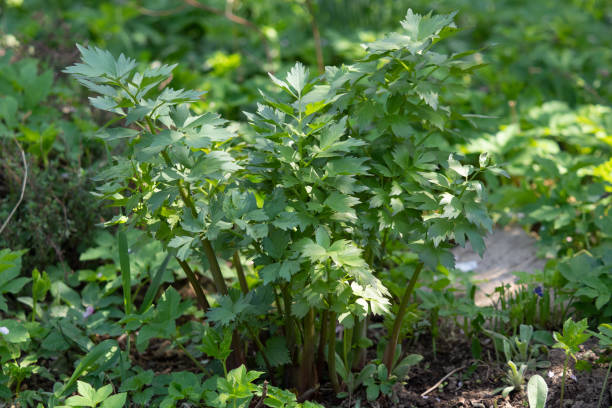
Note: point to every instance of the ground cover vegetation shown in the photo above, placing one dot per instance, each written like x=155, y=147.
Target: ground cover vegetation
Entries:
x=244, y=203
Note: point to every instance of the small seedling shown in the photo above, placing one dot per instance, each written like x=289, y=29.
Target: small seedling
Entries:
x=515, y=378
x=573, y=336
x=605, y=341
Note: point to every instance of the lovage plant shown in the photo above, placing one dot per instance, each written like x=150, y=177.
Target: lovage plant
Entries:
x=335, y=176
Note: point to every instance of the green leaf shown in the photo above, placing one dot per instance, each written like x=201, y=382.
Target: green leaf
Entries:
x=477, y=215
x=8, y=110
x=342, y=204
x=97, y=353
x=87, y=392
x=228, y=310
x=281, y=270
x=277, y=351
x=215, y=164
x=217, y=345
x=537, y=392
x=574, y=334
x=99, y=63
x=17, y=332
x=41, y=284
x=115, y=401
x=308, y=249
x=322, y=237
x=422, y=27
x=457, y=167
x=298, y=77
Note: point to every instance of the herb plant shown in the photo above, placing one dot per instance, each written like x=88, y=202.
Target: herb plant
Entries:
x=335, y=169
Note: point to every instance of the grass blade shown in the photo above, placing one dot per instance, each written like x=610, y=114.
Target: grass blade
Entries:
x=155, y=284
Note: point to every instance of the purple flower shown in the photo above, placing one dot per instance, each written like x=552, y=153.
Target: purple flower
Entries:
x=538, y=291
x=89, y=310
x=4, y=330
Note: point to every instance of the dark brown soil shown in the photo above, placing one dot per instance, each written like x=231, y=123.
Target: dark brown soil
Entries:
x=473, y=386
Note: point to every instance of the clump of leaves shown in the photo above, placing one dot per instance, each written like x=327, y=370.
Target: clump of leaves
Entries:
x=529, y=347
x=334, y=169
x=90, y=397
x=514, y=379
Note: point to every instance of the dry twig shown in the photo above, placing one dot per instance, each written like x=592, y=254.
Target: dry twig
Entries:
x=264, y=394
x=433, y=387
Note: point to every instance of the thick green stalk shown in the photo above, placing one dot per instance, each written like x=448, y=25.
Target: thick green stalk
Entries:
x=240, y=273
x=347, y=343
x=206, y=244
x=389, y=355
x=214, y=266
x=307, y=373
x=322, y=343
x=331, y=351
x=289, y=329
x=208, y=249
x=204, y=305
x=361, y=331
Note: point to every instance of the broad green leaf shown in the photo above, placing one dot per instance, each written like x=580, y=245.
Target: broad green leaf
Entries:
x=17, y=332
x=277, y=352
x=537, y=392
x=8, y=110
x=101, y=351
x=87, y=392
x=115, y=401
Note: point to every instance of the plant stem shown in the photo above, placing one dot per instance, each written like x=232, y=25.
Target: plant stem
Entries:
x=214, y=266
x=34, y=301
x=206, y=244
x=307, y=373
x=208, y=249
x=240, y=272
x=191, y=357
x=563, y=380
x=331, y=351
x=322, y=342
x=126, y=278
x=605, y=383
x=289, y=330
x=261, y=348
x=361, y=329
x=204, y=305
x=390, y=350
